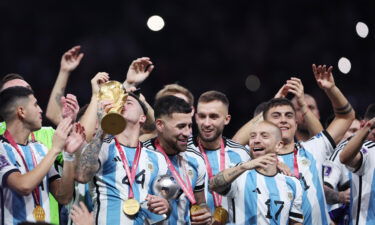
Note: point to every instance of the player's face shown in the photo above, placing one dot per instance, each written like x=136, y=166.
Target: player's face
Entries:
x=133, y=111
x=354, y=127
x=32, y=114
x=284, y=117
x=263, y=140
x=175, y=130
x=15, y=83
x=211, y=118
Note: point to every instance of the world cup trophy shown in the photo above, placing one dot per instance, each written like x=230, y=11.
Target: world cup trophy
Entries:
x=113, y=122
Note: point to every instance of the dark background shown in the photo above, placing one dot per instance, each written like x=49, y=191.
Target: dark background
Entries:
x=205, y=45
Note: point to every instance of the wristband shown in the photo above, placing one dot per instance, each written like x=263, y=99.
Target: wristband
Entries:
x=68, y=157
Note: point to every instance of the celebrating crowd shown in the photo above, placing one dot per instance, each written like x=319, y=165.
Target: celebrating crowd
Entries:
x=147, y=166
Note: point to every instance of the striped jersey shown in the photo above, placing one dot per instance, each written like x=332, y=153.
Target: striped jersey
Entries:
x=262, y=199
x=336, y=175
x=110, y=185
x=362, y=192
x=234, y=154
x=193, y=162
x=16, y=208
x=311, y=155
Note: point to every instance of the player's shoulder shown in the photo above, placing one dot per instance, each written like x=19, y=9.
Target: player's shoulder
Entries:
x=149, y=144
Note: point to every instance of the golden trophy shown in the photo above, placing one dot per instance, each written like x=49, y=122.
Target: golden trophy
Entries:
x=113, y=122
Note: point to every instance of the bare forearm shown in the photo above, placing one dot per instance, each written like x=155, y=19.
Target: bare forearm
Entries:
x=222, y=180
x=332, y=196
x=89, y=118
x=312, y=122
x=64, y=188
x=26, y=183
x=243, y=134
x=340, y=104
x=88, y=163
x=54, y=107
x=350, y=155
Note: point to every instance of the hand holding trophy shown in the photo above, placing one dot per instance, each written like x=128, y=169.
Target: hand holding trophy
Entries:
x=113, y=122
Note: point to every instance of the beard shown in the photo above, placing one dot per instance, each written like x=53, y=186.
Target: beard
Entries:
x=217, y=134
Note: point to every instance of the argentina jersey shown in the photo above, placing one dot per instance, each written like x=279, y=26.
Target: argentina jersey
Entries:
x=194, y=164
x=264, y=199
x=16, y=208
x=110, y=185
x=363, y=188
x=234, y=154
x=310, y=158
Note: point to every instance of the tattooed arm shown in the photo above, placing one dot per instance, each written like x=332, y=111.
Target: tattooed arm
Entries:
x=221, y=182
x=88, y=164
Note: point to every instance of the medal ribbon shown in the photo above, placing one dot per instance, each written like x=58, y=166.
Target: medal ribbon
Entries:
x=187, y=189
x=130, y=174
x=35, y=193
x=217, y=197
x=295, y=163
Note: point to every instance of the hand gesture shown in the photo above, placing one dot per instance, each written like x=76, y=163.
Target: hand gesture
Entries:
x=323, y=76
x=98, y=79
x=157, y=204
x=81, y=215
x=282, y=93
x=61, y=134
x=71, y=59
x=261, y=162
x=202, y=216
x=70, y=106
x=76, y=138
x=344, y=196
x=284, y=169
x=138, y=71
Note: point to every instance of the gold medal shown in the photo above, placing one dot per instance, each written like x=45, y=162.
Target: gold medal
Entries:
x=131, y=207
x=39, y=214
x=195, y=208
x=220, y=216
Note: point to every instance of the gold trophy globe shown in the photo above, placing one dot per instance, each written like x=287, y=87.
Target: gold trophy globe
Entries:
x=113, y=122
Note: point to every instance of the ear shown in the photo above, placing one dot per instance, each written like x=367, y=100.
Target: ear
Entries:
x=159, y=125
x=227, y=119
x=20, y=111
x=279, y=146
x=142, y=119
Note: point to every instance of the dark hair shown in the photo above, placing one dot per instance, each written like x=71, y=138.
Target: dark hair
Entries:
x=210, y=96
x=167, y=105
x=370, y=112
x=259, y=109
x=136, y=96
x=277, y=102
x=9, y=98
x=9, y=77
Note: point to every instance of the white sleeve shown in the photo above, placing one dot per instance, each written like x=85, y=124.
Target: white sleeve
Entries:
x=332, y=173
x=365, y=162
x=201, y=178
x=296, y=213
x=321, y=146
x=6, y=167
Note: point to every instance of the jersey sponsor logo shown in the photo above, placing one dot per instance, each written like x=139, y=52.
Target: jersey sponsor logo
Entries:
x=3, y=162
x=327, y=170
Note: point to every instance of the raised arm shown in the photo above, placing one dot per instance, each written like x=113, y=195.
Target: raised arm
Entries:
x=24, y=184
x=350, y=155
x=62, y=189
x=221, y=182
x=243, y=134
x=88, y=164
x=69, y=62
x=138, y=72
x=295, y=87
x=344, y=113
x=89, y=118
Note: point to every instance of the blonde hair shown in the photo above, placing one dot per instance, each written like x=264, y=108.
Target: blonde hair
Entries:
x=171, y=89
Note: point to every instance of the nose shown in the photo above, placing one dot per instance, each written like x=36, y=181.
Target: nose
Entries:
x=206, y=122
x=187, y=131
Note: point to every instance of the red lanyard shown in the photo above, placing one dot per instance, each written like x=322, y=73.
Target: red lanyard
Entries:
x=35, y=193
x=217, y=197
x=295, y=163
x=130, y=174
x=187, y=188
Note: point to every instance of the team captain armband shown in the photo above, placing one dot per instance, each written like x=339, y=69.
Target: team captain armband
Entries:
x=344, y=110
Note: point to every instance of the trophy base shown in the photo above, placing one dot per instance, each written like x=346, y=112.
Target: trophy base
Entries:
x=113, y=123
